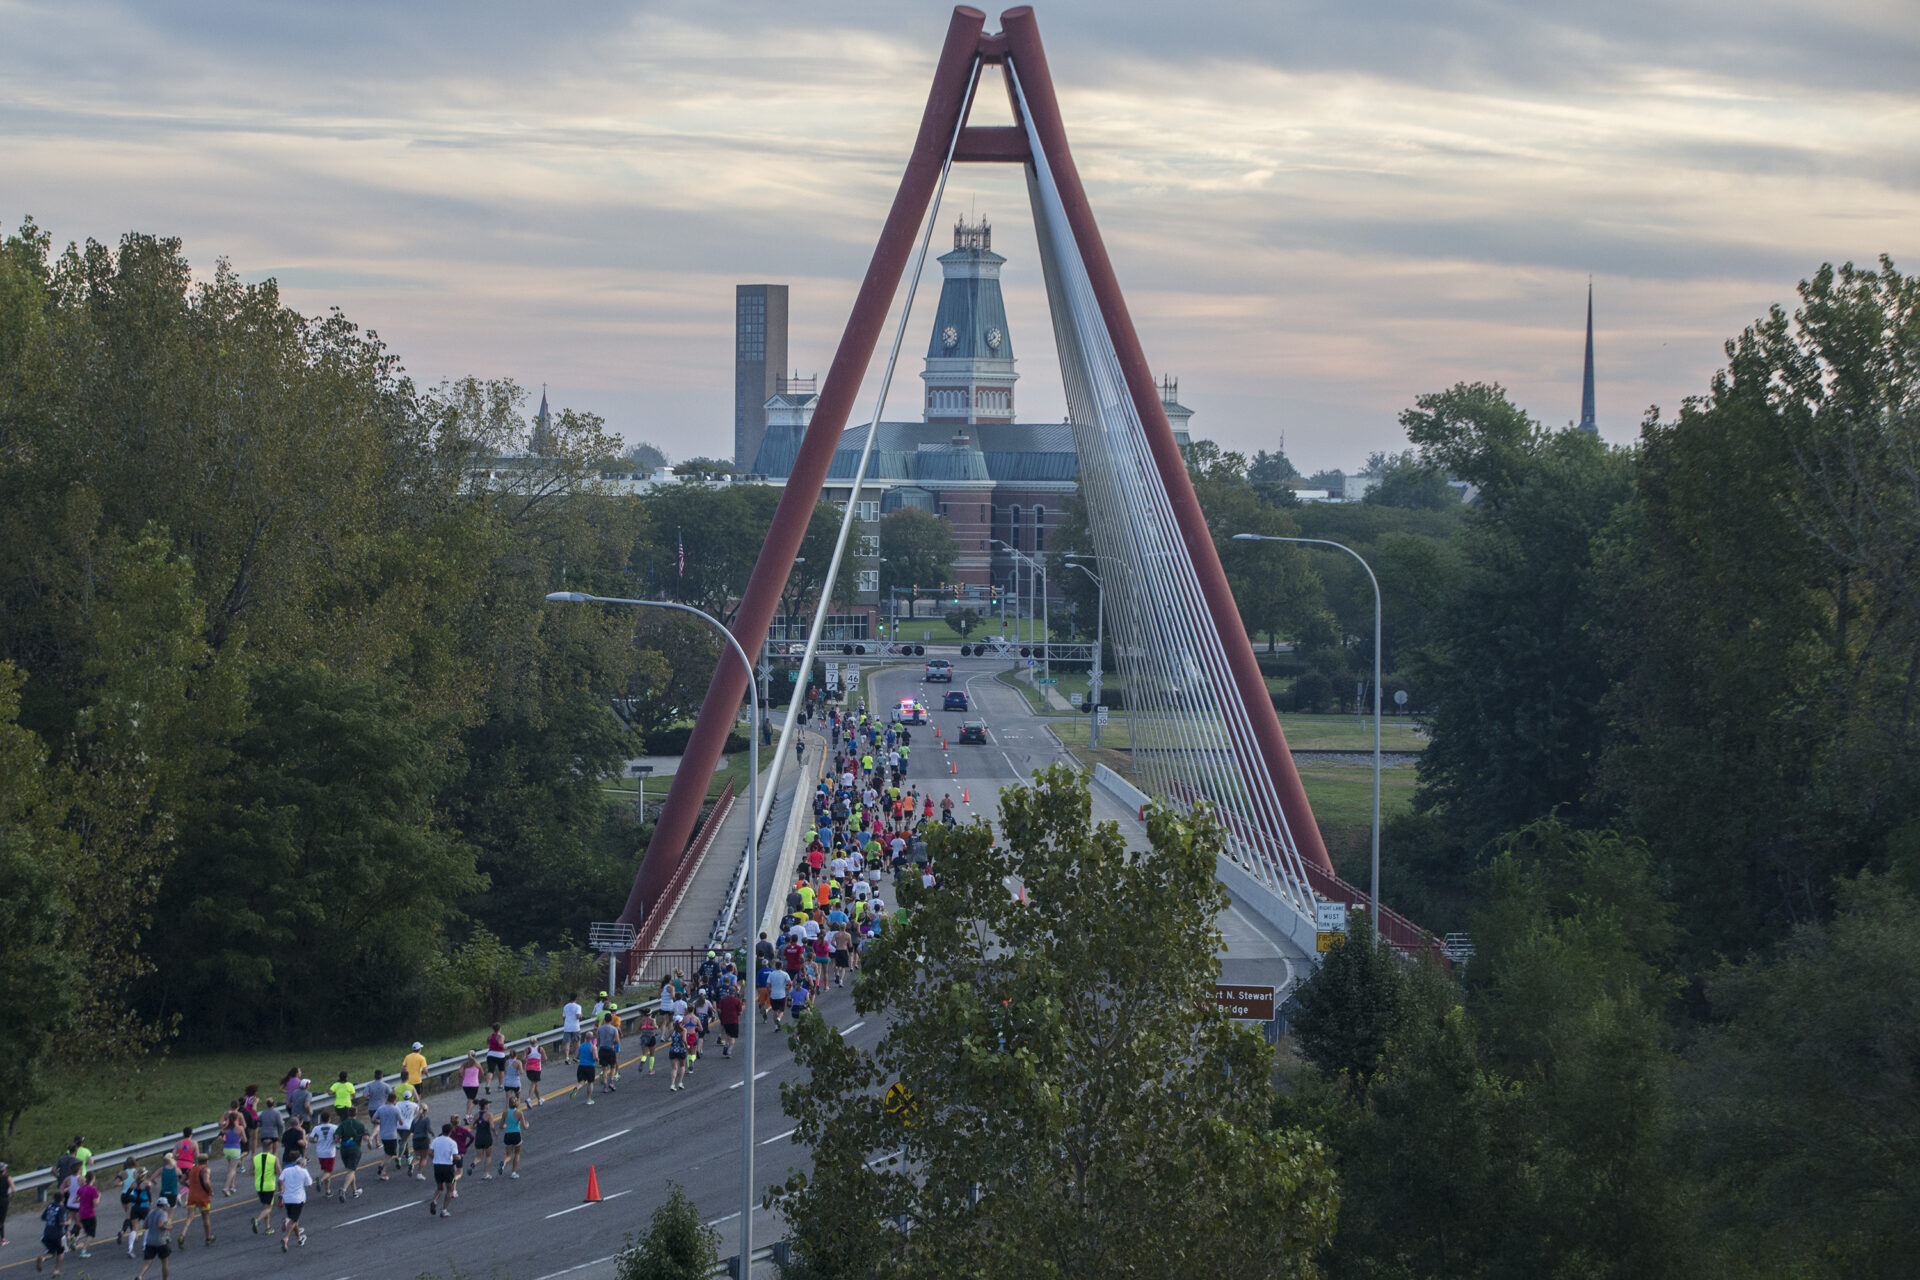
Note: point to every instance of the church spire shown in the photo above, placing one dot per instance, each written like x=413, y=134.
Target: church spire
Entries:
x=1587, y=424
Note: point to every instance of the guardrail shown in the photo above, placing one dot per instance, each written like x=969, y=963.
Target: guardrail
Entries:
x=658, y=919
x=206, y=1135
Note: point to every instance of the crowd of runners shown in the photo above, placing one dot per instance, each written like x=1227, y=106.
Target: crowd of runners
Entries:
x=318, y=1143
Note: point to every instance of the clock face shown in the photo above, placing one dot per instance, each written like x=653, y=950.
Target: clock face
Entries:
x=950, y=337
x=993, y=339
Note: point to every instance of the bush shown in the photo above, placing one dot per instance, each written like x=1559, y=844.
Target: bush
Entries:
x=677, y=1246
x=672, y=741
x=485, y=980
x=1313, y=691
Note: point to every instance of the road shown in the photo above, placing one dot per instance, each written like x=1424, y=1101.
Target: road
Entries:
x=539, y=1228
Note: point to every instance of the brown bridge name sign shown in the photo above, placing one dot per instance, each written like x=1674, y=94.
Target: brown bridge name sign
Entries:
x=1253, y=1004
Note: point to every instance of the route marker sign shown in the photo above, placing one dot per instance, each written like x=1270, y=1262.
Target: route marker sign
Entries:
x=1048, y=680
x=1237, y=1000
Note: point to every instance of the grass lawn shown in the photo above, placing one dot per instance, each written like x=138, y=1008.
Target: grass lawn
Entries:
x=1304, y=732
x=179, y=1088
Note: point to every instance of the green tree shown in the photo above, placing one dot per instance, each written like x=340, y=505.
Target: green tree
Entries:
x=917, y=550
x=1272, y=470
x=645, y=458
x=1079, y=1107
x=316, y=890
x=677, y=1244
x=1360, y=999
x=962, y=621
x=704, y=466
x=1516, y=669
x=37, y=989
x=1762, y=585
x=1406, y=482
x=1803, y=1096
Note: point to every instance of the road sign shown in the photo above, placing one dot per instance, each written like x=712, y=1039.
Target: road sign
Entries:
x=1400, y=697
x=1030, y=662
x=1253, y=1004
x=853, y=677
x=1325, y=942
x=1100, y=717
x=1330, y=917
x=899, y=1101
x=833, y=675
x=1048, y=680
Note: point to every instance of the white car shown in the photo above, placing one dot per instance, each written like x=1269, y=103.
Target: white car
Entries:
x=911, y=711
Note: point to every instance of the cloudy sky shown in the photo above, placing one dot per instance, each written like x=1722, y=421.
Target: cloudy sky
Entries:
x=1318, y=210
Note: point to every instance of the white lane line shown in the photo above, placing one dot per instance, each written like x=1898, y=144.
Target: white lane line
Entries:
x=589, y=1204
x=758, y=1075
x=847, y=1031
x=567, y=1271
x=412, y=1204
x=714, y=1222
x=1011, y=765
x=776, y=1137
x=891, y=1155
x=597, y=1141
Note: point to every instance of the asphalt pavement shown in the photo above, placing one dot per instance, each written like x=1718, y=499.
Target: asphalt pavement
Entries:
x=641, y=1137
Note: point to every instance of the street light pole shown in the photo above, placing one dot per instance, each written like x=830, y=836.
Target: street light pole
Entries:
x=1373, y=892
x=1099, y=645
x=747, y=1036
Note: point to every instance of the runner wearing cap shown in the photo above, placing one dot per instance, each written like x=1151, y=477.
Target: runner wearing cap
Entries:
x=413, y=1067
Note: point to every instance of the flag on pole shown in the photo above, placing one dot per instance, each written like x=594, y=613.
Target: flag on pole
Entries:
x=681, y=541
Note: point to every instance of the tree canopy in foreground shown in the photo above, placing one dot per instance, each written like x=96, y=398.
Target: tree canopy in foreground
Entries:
x=1079, y=1106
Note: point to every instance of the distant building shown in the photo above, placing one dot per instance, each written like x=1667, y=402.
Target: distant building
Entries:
x=759, y=359
x=968, y=459
x=1587, y=423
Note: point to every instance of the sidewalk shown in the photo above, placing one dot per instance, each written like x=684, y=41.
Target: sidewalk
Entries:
x=706, y=895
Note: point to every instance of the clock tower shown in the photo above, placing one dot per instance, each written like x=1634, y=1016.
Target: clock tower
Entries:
x=969, y=375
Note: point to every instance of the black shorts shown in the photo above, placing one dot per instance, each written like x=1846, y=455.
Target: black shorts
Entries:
x=163, y=1250
x=512, y=1139
x=55, y=1245
x=732, y=1030
x=443, y=1174
x=350, y=1158
x=391, y=1146
x=422, y=1145
x=496, y=1062
x=266, y=1197
x=609, y=1057
x=533, y=1074
x=88, y=1226
x=583, y=1073
x=678, y=1051
x=841, y=960
x=471, y=1090
x=293, y=1210
x=778, y=1002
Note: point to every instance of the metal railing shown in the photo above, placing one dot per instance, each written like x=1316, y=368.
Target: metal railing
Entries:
x=655, y=925
x=205, y=1136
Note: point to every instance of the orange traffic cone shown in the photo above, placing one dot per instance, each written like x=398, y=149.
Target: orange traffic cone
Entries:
x=593, y=1186
x=963, y=796
x=953, y=768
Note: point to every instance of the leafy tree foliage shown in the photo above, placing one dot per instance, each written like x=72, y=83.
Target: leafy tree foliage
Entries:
x=1406, y=482
x=917, y=551
x=1516, y=671
x=677, y=1244
x=317, y=884
x=1080, y=1106
x=1804, y=1097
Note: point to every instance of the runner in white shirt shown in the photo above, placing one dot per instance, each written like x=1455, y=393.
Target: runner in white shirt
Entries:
x=324, y=1151
x=861, y=890
x=294, y=1181
x=811, y=928
x=838, y=868
x=570, y=1023
x=446, y=1159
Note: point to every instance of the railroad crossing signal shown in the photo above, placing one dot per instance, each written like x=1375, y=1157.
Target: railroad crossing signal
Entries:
x=900, y=1103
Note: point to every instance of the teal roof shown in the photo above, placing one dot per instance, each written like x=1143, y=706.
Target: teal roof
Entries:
x=970, y=306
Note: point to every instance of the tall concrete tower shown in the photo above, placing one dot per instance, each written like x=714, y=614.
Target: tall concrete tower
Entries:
x=759, y=358
x=969, y=373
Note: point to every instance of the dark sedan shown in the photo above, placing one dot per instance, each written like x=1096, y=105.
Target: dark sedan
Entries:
x=973, y=731
x=956, y=701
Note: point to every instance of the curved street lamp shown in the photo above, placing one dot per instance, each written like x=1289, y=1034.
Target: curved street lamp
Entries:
x=1373, y=892
x=747, y=1038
